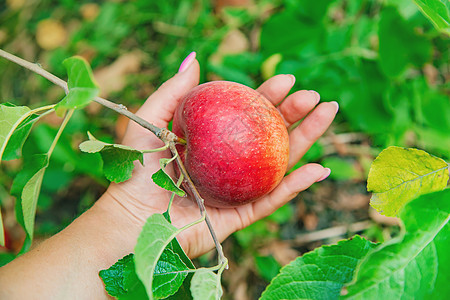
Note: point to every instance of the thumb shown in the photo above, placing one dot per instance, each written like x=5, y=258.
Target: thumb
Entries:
x=160, y=106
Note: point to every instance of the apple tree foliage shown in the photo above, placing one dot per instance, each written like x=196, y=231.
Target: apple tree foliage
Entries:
x=406, y=183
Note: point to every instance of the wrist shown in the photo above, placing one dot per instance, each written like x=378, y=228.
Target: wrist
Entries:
x=129, y=214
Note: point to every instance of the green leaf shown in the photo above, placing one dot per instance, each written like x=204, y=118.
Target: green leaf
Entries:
x=205, y=285
x=64, y=154
x=415, y=264
x=26, y=187
x=438, y=12
x=399, y=49
x=267, y=267
x=9, y=116
x=184, y=291
x=133, y=285
x=304, y=35
x=6, y=257
x=174, y=245
x=113, y=277
x=342, y=169
x=117, y=159
x=14, y=147
x=319, y=274
x=122, y=281
x=30, y=195
x=162, y=179
x=153, y=239
x=169, y=274
x=360, y=100
x=81, y=83
x=2, y=231
x=399, y=175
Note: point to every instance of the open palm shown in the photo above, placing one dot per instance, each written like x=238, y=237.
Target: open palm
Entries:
x=141, y=197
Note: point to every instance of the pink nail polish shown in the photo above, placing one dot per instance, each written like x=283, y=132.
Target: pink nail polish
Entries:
x=316, y=95
x=292, y=78
x=187, y=62
x=337, y=105
x=325, y=175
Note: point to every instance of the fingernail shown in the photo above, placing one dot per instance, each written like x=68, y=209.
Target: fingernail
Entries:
x=292, y=78
x=187, y=62
x=316, y=95
x=325, y=175
x=336, y=104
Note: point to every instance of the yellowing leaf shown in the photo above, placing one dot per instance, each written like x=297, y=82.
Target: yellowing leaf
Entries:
x=399, y=175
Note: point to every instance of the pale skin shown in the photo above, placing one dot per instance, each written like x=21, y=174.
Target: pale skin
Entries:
x=66, y=265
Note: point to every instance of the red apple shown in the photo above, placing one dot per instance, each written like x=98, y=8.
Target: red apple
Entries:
x=237, y=144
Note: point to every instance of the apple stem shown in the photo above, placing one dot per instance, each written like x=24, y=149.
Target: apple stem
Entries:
x=162, y=133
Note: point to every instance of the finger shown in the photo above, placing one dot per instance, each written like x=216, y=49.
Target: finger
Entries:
x=277, y=87
x=160, y=106
x=290, y=186
x=296, y=106
x=312, y=127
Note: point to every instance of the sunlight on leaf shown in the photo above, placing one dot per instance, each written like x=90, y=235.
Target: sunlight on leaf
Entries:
x=399, y=175
x=415, y=264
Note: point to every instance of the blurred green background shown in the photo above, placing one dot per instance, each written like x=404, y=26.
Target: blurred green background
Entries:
x=383, y=61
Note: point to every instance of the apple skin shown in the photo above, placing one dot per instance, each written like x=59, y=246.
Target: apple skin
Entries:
x=237, y=146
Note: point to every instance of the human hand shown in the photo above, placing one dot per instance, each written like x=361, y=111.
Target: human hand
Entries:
x=139, y=197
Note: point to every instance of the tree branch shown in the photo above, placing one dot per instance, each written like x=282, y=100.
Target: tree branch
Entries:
x=162, y=133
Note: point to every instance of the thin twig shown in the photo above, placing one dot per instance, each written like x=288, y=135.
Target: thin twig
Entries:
x=330, y=232
x=161, y=133
x=200, y=202
x=35, y=68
